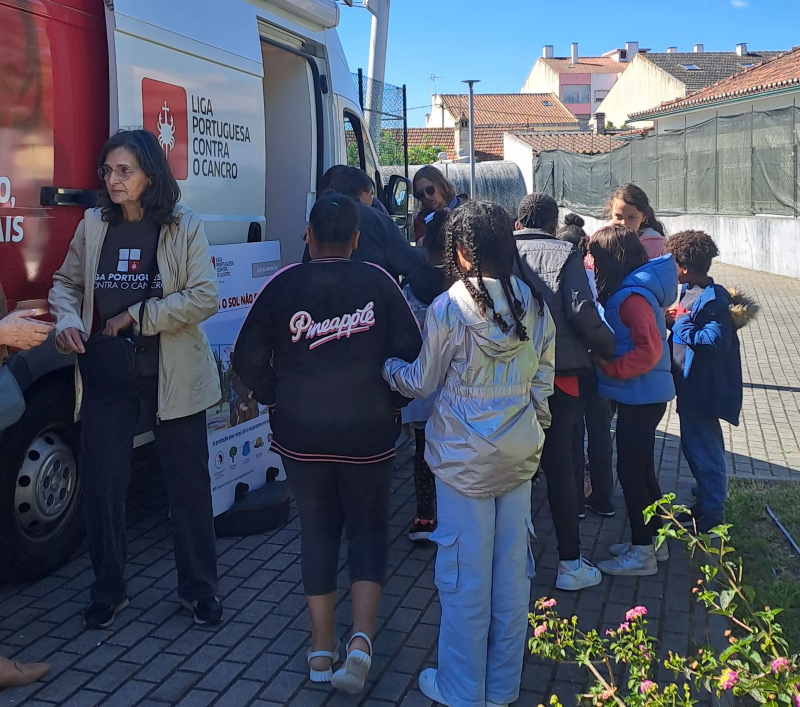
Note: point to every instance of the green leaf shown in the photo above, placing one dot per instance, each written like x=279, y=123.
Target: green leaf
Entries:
x=726, y=597
x=758, y=695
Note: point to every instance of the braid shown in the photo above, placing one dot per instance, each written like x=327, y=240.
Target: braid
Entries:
x=516, y=308
x=483, y=230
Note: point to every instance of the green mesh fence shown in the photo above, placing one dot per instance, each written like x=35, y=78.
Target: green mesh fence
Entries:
x=740, y=164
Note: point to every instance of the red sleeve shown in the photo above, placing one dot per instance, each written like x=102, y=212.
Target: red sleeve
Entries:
x=637, y=314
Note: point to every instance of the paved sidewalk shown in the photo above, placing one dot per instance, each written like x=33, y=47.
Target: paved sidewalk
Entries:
x=155, y=656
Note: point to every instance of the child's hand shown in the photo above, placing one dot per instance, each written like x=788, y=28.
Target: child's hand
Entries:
x=598, y=361
x=670, y=313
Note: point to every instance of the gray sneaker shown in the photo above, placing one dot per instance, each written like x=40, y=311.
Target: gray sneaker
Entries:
x=639, y=561
x=662, y=553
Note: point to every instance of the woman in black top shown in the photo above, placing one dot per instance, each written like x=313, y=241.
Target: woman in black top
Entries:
x=312, y=349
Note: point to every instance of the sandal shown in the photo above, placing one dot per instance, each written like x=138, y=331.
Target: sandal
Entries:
x=353, y=675
x=323, y=675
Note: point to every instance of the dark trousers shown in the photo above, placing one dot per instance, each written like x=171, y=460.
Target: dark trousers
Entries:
x=424, y=481
x=703, y=445
x=108, y=425
x=560, y=473
x=332, y=496
x=594, y=421
x=636, y=438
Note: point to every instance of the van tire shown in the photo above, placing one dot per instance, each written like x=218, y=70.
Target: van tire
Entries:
x=41, y=516
x=258, y=512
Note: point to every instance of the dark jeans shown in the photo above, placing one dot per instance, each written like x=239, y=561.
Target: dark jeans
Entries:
x=108, y=424
x=331, y=496
x=594, y=419
x=424, y=481
x=636, y=438
x=560, y=473
x=703, y=446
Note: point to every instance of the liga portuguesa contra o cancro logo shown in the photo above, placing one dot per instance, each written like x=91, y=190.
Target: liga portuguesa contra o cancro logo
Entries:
x=165, y=114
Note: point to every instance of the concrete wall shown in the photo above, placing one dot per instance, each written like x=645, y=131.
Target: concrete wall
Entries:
x=767, y=243
x=641, y=86
x=542, y=79
x=521, y=154
x=670, y=123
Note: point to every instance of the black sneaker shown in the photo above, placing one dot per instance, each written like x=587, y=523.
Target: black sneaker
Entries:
x=600, y=509
x=421, y=530
x=99, y=615
x=206, y=612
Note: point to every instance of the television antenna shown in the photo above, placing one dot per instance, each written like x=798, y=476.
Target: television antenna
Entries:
x=433, y=83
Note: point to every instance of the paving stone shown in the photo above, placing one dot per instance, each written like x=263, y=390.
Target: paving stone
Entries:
x=240, y=693
x=283, y=686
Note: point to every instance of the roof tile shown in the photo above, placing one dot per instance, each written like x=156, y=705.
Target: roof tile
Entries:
x=781, y=71
x=526, y=109
x=586, y=65
x=711, y=66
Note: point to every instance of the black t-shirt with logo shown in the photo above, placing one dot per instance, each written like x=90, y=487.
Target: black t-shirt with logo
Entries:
x=127, y=260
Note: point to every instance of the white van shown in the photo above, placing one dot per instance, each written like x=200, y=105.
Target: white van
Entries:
x=252, y=100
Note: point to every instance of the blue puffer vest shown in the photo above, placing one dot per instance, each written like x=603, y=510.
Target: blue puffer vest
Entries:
x=657, y=282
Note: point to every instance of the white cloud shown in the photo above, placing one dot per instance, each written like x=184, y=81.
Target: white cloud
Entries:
x=738, y=3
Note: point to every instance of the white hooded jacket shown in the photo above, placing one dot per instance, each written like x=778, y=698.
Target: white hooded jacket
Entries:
x=485, y=435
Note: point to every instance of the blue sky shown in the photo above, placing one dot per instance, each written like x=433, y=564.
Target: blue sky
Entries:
x=498, y=41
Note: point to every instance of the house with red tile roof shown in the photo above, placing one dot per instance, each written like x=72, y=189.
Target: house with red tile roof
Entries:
x=655, y=78
x=532, y=110
x=582, y=83
x=770, y=85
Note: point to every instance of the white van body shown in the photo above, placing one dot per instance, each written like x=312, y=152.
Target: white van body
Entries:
x=252, y=101
x=267, y=89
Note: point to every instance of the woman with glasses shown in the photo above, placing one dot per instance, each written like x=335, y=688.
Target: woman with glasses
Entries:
x=433, y=191
x=136, y=283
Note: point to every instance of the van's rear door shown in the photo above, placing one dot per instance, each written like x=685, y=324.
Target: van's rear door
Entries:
x=191, y=72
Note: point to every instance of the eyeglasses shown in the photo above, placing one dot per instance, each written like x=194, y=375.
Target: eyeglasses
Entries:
x=420, y=195
x=123, y=173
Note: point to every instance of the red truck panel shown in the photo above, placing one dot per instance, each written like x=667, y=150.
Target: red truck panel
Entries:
x=53, y=121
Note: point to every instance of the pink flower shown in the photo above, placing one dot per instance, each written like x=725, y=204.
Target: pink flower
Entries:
x=728, y=679
x=624, y=626
x=636, y=612
x=609, y=632
x=797, y=699
x=646, y=686
x=549, y=603
x=539, y=630
x=607, y=694
x=779, y=665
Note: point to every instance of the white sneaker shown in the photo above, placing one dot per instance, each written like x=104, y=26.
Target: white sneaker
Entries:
x=428, y=687
x=662, y=553
x=577, y=574
x=638, y=561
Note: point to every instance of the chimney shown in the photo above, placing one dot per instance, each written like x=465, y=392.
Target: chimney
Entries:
x=461, y=141
x=698, y=48
x=600, y=123
x=631, y=50
x=741, y=49
x=547, y=51
x=574, y=56
x=672, y=50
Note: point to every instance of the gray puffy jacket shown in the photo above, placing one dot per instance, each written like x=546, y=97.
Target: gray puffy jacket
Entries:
x=556, y=269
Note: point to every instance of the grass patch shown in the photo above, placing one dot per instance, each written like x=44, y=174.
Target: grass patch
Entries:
x=771, y=565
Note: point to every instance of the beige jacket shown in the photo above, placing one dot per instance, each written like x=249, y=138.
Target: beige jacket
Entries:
x=188, y=380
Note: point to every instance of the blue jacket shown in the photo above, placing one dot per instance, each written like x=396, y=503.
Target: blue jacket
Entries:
x=657, y=282
x=710, y=384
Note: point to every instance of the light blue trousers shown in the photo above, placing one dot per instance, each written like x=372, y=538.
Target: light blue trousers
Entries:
x=484, y=565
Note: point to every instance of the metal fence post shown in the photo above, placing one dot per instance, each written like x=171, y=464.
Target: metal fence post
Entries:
x=685, y=167
x=716, y=162
x=752, y=162
x=405, y=130
x=794, y=152
x=361, y=88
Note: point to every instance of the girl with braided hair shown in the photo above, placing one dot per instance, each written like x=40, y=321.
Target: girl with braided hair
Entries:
x=489, y=343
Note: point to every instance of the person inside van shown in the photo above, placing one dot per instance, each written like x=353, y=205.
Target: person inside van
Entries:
x=381, y=242
x=432, y=191
x=368, y=199
x=312, y=349
x=135, y=285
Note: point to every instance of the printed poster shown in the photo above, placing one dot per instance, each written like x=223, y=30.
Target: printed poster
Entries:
x=239, y=434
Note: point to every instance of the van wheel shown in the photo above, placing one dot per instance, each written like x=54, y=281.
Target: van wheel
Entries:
x=40, y=484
